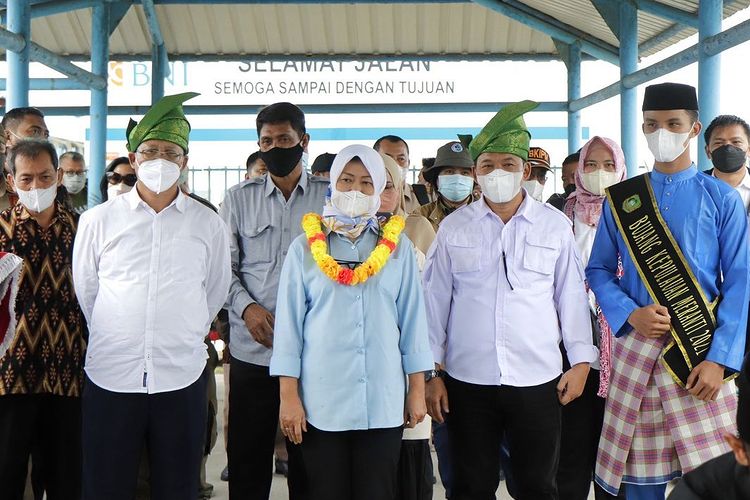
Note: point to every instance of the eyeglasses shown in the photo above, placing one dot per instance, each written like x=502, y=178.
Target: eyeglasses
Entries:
x=115, y=178
x=152, y=154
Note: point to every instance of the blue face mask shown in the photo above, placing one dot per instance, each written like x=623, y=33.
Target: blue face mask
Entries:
x=455, y=187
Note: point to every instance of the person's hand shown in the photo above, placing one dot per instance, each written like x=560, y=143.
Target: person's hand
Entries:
x=259, y=323
x=572, y=383
x=292, y=418
x=705, y=380
x=437, y=399
x=651, y=321
x=416, y=408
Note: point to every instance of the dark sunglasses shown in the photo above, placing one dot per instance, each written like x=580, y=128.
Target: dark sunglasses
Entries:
x=115, y=178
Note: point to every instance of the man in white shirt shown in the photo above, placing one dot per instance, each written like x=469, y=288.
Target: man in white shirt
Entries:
x=151, y=270
x=503, y=285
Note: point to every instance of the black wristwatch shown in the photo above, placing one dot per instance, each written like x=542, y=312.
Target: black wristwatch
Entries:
x=431, y=374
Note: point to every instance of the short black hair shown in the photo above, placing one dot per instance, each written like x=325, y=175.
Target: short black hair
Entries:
x=428, y=162
x=251, y=160
x=572, y=158
x=389, y=138
x=104, y=183
x=31, y=148
x=693, y=114
x=281, y=112
x=722, y=121
x=13, y=117
x=72, y=156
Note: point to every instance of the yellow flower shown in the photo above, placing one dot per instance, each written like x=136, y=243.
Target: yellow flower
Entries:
x=311, y=224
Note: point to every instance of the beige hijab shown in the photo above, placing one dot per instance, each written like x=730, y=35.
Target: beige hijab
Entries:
x=418, y=229
x=394, y=175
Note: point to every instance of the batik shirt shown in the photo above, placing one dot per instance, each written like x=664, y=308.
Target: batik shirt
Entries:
x=47, y=356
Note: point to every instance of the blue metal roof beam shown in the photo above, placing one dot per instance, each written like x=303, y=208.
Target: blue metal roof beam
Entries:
x=711, y=46
x=668, y=12
x=552, y=27
x=452, y=57
x=252, y=109
x=16, y=43
x=49, y=84
x=50, y=8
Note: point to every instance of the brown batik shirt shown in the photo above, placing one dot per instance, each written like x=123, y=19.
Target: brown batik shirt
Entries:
x=48, y=353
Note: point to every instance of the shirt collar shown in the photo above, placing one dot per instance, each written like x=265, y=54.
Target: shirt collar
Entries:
x=527, y=209
x=134, y=200
x=61, y=214
x=303, y=182
x=682, y=175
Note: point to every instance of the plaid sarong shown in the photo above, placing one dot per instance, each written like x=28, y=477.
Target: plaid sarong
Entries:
x=654, y=430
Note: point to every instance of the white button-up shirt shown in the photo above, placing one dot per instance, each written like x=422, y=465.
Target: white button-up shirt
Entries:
x=492, y=327
x=149, y=285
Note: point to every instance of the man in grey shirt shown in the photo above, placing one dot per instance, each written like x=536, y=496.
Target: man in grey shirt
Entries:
x=264, y=215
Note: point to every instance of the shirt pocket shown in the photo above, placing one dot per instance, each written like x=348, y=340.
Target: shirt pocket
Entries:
x=389, y=278
x=256, y=244
x=540, y=255
x=465, y=252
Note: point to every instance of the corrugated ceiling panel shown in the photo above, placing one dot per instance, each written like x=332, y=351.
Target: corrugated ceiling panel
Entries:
x=345, y=29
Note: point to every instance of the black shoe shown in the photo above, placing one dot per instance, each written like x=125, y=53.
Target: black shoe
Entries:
x=225, y=474
x=282, y=467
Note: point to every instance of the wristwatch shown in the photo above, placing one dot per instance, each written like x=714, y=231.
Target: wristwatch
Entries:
x=431, y=374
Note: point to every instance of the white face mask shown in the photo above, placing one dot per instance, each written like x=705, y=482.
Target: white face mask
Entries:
x=352, y=203
x=74, y=183
x=115, y=190
x=597, y=181
x=534, y=188
x=158, y=175
x=37, y=200
x=666, y=146
x=500, y=186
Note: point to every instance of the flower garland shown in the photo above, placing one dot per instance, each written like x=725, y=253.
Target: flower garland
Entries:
x=316, y=238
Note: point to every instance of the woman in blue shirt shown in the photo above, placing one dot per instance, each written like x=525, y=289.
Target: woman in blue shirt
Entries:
x=341, y=350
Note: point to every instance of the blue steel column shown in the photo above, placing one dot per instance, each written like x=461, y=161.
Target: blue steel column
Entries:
x=99, y=64
x=629, y=97
x=574, y=92
x=709, y=71
x=158, y=66
x=19, y=21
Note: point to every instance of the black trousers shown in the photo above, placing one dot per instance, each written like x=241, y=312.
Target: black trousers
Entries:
x=253, y=419
x=50, y=426
x=349, y=465
x=415, y=470
x=530, y=419
x=115, y=427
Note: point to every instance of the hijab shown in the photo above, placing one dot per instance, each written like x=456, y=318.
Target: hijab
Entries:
x=587, y=205
x=336, y=221
x=394, y=175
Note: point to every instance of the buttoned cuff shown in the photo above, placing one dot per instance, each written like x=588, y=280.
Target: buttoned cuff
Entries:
x=438, y=355
x=285, y=365
x=417, y=362
x=582, y=354
x=240, y=304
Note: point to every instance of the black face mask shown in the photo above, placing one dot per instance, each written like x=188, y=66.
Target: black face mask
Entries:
x=569, y=188
x=281, y=161
x=728, y=158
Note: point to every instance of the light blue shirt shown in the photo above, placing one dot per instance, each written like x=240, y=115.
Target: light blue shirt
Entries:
x=350, y=346
x=707, y=219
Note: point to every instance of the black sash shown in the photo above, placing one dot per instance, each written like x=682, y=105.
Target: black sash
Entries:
x=666, y=274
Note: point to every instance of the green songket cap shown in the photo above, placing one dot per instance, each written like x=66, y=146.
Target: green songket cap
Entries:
x=164, y=121
x=506, y=132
